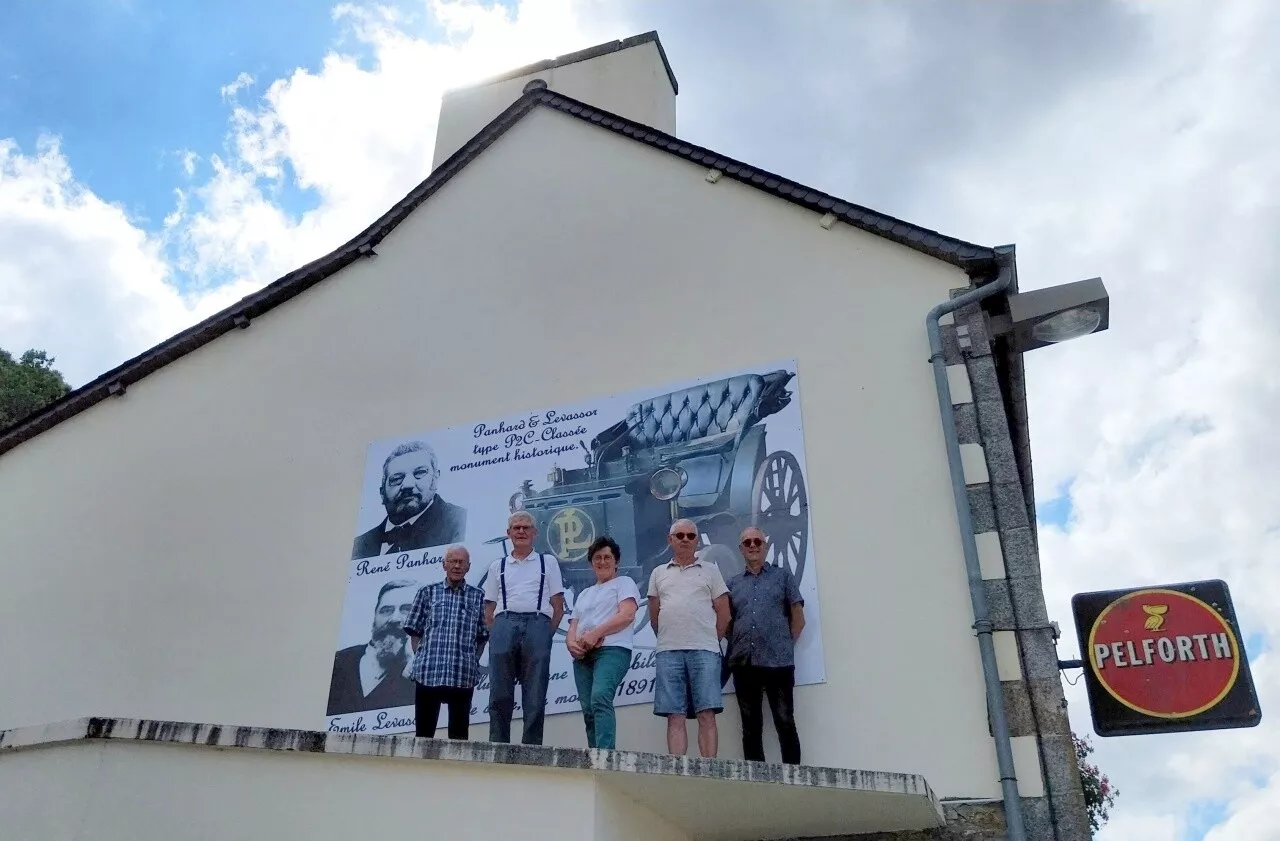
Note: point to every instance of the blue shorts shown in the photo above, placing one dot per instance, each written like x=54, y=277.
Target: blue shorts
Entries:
x=687, y=681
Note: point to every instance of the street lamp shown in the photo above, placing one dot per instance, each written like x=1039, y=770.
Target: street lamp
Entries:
x=1034, y=319
x=1057, y=314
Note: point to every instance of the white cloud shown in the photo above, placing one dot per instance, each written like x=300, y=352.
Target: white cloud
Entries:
x=83, y=280
x=77, y=276
x=360, y=134
x=242, y=81
x=1254, y=817
x=1162, y=180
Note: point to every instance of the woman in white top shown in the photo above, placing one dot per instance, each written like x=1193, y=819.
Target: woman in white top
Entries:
x=600, y=640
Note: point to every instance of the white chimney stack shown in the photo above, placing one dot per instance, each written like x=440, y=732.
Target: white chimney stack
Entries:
x=630, y=78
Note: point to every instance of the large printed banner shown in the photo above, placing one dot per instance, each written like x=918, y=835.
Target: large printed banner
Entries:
x=725, y=451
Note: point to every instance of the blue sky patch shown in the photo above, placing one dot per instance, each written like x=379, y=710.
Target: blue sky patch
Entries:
x=129, y=85
x=1255, y=645
x=1204, y=815
x=1057, y=511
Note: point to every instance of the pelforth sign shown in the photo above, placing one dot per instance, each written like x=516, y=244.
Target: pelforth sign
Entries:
x=1164, y=659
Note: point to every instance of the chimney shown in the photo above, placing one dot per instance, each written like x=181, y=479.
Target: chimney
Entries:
x=630, y=78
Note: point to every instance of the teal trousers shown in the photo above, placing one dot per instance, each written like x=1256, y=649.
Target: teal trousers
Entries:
x=598, y=675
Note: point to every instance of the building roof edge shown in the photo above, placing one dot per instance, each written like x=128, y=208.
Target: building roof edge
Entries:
x=976, y=260
x=575, y=57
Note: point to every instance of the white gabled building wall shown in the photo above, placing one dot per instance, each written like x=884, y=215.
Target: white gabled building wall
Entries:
x=180, y=552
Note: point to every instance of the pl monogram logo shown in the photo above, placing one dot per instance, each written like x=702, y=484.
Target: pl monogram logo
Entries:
x=571, y=533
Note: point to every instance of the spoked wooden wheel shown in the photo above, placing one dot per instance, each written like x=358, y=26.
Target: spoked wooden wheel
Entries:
x=780, y=508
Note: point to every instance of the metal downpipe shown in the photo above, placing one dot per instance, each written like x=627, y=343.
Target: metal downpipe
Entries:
x=977, y=588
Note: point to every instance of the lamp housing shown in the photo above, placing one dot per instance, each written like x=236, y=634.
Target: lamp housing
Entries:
x=1054, y=315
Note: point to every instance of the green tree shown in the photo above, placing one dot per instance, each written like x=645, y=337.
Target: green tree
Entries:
x=1099, y=794
x=27, y=384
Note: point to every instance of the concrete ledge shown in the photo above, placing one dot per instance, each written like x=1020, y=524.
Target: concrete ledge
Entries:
x=713, y=799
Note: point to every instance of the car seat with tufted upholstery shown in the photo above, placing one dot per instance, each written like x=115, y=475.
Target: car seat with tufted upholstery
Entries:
x=710, y=416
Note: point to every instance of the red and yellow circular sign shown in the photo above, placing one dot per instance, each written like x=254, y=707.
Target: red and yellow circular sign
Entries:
x=1164, y=653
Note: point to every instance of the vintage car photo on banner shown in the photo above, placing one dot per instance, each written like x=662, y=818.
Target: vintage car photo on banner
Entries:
x=725, y=451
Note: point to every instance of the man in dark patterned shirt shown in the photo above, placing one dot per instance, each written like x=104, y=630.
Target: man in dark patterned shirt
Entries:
x=447, y=631
x=767, y=616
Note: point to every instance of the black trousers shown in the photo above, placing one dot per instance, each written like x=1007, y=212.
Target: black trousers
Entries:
x=754, y=683
x=427, y=701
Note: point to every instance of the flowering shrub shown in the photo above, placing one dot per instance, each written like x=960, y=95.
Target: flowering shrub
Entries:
x=1099, y=794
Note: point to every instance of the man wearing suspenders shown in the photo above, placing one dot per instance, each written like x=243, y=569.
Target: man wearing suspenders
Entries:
x=524, y=601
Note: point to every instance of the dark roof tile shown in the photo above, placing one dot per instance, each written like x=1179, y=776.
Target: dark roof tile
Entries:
x=976, y=259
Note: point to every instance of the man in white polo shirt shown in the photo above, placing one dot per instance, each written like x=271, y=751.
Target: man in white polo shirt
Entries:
x=524, y=601
x=689, y=612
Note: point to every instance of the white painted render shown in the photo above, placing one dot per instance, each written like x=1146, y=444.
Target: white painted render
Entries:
x=121, y=791
x=990, y=555
x=618, y=817
x=973, y=462
x=631, y=83
x=1026, y=766
x=959, y=385
x=1008, y=666
x=181, y=552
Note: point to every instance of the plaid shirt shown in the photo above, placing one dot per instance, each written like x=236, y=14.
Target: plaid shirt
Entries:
x=450, y=621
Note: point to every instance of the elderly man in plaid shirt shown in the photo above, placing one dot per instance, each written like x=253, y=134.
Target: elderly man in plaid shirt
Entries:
x=447, y=630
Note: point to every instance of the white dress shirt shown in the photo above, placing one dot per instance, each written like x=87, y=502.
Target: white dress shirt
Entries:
x=522, y=579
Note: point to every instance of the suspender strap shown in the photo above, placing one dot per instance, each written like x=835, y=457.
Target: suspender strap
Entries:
x=502, y=580
x=542, y=561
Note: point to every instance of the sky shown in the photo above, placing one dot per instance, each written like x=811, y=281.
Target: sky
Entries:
x=160, y=160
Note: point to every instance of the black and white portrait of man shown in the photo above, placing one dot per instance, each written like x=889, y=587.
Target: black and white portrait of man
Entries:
x=370, y=676
x=417, y=516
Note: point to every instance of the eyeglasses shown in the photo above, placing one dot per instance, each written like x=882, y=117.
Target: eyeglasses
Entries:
x=684, y=535
x=752, y=541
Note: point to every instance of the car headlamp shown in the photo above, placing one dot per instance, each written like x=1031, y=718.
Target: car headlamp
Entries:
x=667, y=482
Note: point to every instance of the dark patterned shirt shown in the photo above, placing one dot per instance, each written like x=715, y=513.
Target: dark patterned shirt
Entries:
x=760, y=607
x=450, y=621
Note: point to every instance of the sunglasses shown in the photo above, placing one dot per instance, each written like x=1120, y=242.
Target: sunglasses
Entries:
x=684, y=535
x=752, y=541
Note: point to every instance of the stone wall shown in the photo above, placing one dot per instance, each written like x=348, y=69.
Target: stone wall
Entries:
x=1002, y=505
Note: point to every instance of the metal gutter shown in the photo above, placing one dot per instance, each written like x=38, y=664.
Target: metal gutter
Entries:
x=977, y=587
